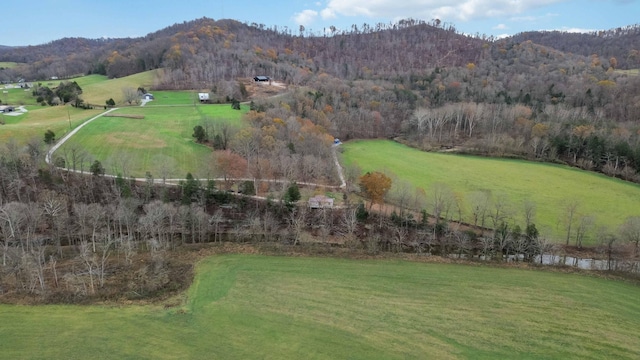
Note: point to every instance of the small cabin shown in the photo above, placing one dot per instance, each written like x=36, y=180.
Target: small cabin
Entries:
x=148, y=96
x=320, y=202
x=261, y=78
x=204, y=97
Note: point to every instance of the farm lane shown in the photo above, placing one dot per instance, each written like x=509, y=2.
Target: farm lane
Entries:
x=343, y=183
x=69, y=135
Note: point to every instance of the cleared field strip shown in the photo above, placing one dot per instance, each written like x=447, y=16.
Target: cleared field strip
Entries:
x=292, y=308
x=550, y=187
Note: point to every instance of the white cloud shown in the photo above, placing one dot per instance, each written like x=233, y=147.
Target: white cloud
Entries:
x=500, y=27
x=460, y=10
x=305, y=17
x=328, y=14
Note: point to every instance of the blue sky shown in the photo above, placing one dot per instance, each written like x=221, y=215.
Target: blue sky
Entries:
x=40, y=21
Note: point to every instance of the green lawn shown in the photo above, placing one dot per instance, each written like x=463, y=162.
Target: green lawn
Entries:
x=97, y=89
x=39, y=119
x=161, y=141
x=550, y=187
x=256, y=307
x=16, y=96
x=174, y=98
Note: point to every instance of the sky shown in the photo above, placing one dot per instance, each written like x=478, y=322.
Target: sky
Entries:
x=40, y=21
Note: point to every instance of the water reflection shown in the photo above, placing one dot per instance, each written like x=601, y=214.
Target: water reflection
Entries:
x=580, y=263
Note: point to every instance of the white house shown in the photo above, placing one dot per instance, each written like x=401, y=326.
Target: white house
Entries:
x=203, y=97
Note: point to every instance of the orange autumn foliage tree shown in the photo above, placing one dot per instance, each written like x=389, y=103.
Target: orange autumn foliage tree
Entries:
x=229, y=164
x=375, y=185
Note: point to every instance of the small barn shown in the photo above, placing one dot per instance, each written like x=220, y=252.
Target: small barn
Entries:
x=320, y=202
x=261, y=78
x=148, y=96
x=204, y=97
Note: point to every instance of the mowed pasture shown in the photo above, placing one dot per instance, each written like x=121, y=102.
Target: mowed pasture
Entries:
x=249, y=307
x=97, y=89
x=34, y=123
x=552, y=188
x=163, y=98
x=161, y=143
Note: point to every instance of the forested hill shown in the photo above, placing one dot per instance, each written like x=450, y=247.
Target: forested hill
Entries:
x=203, y=51
x=193, y=47
x=421, y=81
x=620, y=45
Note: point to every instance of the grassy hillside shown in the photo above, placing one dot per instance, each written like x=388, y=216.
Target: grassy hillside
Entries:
x=550, y=187
x=290, y=308
x=160, y=142
x=8, y=64
x=96, y=89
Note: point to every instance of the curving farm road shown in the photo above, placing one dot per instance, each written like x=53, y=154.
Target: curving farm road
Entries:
x=69, y=135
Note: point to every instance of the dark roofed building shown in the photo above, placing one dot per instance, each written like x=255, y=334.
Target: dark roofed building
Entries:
x=261, y=78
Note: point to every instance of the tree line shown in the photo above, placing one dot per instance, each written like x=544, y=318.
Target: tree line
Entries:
x=66, y=237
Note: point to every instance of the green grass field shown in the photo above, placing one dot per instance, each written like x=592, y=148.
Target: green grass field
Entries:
x=8, y=64
x=550, y=187
x=97, y=89
x=256, y=307
x=163, y=139
x=39, y=119
x=174, y=98
x=16, y=96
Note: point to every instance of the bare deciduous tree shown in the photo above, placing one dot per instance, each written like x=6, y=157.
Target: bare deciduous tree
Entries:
x=130, y=95
x=570, y=213
x=630, y=231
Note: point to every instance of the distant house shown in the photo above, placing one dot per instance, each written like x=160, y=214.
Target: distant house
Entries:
x=6, y=109
x=261, y=78
x=320, y=202
x=204, y=97
x=148, y=96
